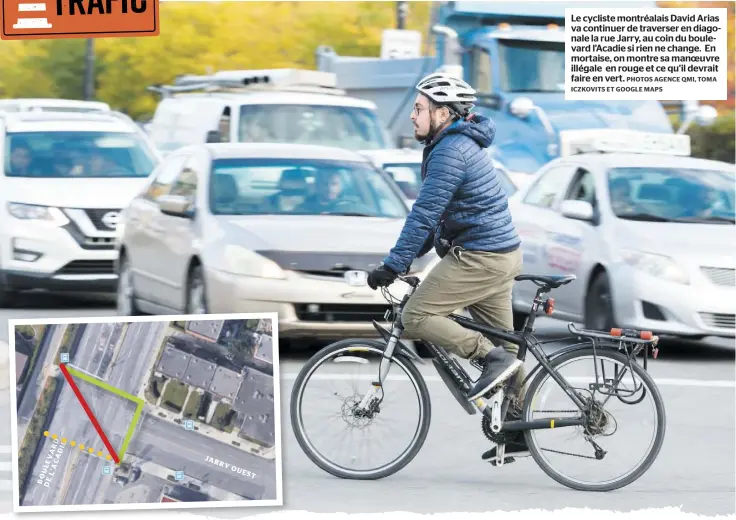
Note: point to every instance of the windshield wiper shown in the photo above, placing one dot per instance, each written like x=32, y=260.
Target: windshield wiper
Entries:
x=350, y=214
x=713, y=218
x=646, y=217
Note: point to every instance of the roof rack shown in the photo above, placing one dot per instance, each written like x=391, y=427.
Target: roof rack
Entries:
x=52, y=105
x=291, y=80
x=573, y=142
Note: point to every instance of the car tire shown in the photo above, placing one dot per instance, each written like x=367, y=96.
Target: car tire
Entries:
x=125, y=296
x=599, y=304
x=196, y=292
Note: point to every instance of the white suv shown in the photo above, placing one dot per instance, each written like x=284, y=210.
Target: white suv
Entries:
x=65, y=177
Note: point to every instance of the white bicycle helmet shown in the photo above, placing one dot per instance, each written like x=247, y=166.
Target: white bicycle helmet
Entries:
x=445, y=89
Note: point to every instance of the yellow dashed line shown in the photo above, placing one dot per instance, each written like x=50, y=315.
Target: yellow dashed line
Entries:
x=81, y=446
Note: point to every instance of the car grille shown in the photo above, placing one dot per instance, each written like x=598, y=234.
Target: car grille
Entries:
x=719, y=321
x=95, y=215
x=331, y=312
x=88, y=267
x=720, y=275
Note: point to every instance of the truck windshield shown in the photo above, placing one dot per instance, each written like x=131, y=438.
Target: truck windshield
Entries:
x=77, y=154
x=354, y=128
x=529, y=66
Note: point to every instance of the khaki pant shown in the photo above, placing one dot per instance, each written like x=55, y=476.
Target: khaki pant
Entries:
x=480, y=281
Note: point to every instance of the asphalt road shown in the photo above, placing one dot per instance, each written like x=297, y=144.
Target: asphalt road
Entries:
x=114, y=412
x=176, y=448
x=695, y=470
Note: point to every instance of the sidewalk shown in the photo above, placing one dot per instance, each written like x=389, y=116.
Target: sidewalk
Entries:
x=163, y=472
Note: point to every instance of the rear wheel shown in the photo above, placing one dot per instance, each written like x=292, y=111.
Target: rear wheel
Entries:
x=628, y=390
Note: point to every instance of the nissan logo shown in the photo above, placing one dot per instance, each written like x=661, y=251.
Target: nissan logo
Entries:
x=110, y=219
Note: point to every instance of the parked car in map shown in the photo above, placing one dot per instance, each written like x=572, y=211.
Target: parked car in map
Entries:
x=258, y=227
x=405, y=167
x=647, y=230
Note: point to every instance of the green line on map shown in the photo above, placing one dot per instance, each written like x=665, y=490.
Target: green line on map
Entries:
x=98, y=382
x=137, y=400
x=131, y=429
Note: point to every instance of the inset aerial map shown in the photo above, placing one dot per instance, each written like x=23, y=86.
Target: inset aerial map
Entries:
x=170, y=414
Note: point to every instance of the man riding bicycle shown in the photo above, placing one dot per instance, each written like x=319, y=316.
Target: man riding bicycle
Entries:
x=462, y=211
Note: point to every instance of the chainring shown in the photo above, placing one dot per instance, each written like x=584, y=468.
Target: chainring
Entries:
x=502, y=437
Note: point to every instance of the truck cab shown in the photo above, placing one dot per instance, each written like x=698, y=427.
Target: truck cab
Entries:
x=514, y=56
x=280, y=105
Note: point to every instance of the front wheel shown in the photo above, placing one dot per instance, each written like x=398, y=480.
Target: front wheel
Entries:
x=394, y=427
x=621, y=397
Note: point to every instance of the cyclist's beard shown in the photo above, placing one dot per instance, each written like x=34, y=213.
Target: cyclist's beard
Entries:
x=431, y=133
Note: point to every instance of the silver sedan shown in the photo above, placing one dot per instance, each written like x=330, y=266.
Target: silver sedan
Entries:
x=649, y=236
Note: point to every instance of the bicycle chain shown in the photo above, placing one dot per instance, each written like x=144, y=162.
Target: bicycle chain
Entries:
x=564, y=452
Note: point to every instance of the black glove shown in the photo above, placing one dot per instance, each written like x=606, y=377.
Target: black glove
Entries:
x=381, y=276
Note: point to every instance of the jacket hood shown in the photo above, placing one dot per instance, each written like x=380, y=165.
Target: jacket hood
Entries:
x=479, y=128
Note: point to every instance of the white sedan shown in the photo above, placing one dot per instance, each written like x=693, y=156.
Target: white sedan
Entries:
x=649, y=235
x=259, y=227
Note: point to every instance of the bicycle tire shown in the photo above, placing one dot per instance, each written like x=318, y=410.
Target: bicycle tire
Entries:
x=653, y=453
x=392, y=467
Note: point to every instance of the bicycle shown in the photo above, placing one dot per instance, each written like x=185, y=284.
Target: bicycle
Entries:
x=361, y=409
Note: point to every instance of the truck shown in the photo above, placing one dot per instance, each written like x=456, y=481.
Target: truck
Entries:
x=513, y=54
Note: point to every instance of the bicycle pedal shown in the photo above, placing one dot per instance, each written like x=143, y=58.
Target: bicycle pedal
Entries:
x=506, y=460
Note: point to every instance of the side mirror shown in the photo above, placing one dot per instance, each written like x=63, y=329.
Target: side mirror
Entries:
x=176, y=206
x=214, y=136
x=521, y=107
x=577, y=210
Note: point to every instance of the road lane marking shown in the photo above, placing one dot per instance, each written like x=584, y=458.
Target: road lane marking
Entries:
x=704, y=383
x=82, y=447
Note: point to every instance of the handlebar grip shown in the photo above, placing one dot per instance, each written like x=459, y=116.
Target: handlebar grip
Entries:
x=632, y=333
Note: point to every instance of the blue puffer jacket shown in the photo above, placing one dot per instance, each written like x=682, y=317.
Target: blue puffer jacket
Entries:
x=461, y=198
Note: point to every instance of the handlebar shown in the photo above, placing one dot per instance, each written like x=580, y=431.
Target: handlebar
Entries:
x=413, y=281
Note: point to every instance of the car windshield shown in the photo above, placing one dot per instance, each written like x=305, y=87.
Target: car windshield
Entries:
x=672, y=194
x=302, y=187
x=353, y=128
x=409, y=178
x=77, y=154
x=532, y=66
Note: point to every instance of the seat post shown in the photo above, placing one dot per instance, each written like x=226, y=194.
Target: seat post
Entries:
x=529, y=327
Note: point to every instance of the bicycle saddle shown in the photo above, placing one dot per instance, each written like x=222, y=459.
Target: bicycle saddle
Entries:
x=552, y=281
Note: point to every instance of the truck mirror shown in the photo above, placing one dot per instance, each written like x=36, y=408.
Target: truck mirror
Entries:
x=521, y=107
x=214, y=136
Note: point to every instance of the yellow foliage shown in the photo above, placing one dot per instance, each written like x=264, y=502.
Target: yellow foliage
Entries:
x=203, y=37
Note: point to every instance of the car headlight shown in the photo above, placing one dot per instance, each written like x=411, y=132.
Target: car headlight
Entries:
x=46, y=214
x=657, y=265
x=244, y=262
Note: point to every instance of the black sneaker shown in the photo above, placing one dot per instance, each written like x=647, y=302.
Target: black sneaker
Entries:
x=499, y=366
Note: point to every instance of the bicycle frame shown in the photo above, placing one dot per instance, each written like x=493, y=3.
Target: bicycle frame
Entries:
x=459, y=382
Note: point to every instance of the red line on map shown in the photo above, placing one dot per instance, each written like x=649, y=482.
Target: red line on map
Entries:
x=91, y=416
